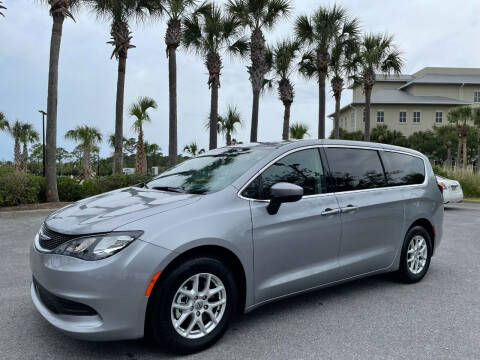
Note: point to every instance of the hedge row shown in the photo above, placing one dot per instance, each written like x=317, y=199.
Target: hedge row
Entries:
x=20, y=188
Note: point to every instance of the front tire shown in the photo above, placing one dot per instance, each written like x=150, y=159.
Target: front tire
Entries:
x=416, y=255
x=193, y=305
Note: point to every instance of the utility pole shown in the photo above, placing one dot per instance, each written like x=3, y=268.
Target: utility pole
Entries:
x=43, y=133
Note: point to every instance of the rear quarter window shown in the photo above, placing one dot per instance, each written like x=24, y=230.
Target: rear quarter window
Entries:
x=403, y=169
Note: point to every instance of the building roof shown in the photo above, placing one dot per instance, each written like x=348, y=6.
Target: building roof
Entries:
x=398, y=97
x=444, y=79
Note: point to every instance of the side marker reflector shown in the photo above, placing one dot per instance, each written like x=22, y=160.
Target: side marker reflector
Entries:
x=152, y=283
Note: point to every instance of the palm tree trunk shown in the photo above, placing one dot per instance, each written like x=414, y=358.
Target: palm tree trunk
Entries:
x=449, y=157
x=228, y=138
x=478, y=148
x=321, y=106
x=140, y=158
x=464, y=152
x=52, y=101
x=286, y=120
x=87, y=172
x=118, y=154
x=368, y=97
x=172, y=88
x=337, y=116
x=213, y=116
x=459, y=151
x=17, y=155
x=255, y=108
x=25, y=157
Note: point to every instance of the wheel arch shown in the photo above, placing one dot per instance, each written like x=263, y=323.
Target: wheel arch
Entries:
x=428, y=226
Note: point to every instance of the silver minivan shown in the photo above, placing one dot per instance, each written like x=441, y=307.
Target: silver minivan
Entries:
x=230, y=230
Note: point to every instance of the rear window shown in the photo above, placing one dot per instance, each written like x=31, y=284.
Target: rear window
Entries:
x=355, y=169
x=403, y=169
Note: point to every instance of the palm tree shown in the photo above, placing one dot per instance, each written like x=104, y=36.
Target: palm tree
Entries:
x=376, y=53
x=192, y=149
x=176, y=11
x=119, y=13
x=258, y=15
x=59, y=11
x=88, y=137
x=139, y=111
x=2, y=8
x=152, y=151
x=210, y=33
x=15, y=130
x=298, y=130
x=319, y=34
x=62, y=154
x=460, y=117
x=227, y=124
x=283, y=56
x=476, y=121
x=29, y=135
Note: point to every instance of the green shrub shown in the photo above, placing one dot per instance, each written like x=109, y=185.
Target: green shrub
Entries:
x=69, y=189
x=20, y=188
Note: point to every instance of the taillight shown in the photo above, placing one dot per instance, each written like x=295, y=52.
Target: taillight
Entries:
x=441, y=186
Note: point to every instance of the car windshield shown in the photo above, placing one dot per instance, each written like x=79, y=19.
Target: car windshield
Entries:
x=210, y=172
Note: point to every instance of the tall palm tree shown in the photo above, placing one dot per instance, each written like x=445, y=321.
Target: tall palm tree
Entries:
x=119, y=13
x=342, y=67
x=476, y=121
x=29, y=135
x=283, y=57
x=227, y=124
x=176, y=11
x=139, y=111
x=2, y=8
x=460, y=116
x=15, y=130
x=192, y=149
x=298, y=130
x=319, y=34
x=59, y=11
x=258, y=15
x=210, y=33
x=376, y=53
x=87, y=137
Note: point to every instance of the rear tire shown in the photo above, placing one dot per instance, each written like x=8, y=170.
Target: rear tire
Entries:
x=416, y=255
x=184, y=317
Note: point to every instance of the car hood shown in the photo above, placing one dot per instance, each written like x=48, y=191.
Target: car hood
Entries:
x=108, y=211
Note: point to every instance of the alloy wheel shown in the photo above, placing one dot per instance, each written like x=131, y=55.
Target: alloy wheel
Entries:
x=417, y=254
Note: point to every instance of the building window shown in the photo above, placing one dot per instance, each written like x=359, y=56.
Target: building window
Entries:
x=380, y=117
x=402, y=117
x=438, y=117
x=416, y=116
x=352, y=119
x=476, y=96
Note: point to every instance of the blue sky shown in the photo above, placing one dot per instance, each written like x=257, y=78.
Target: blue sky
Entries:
x=429, y=33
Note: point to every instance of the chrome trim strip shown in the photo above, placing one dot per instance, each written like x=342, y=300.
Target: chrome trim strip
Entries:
x=259, y=172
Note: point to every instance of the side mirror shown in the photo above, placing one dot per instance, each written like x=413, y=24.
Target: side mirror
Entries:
x=283, y=193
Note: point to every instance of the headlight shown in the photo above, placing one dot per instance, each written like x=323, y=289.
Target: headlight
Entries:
x=96, y=247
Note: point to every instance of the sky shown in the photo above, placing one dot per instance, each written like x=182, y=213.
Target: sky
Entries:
x=428, y=32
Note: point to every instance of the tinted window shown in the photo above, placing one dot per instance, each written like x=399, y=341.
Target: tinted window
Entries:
x=302, y=168
x=403, y=169
x=355, y=169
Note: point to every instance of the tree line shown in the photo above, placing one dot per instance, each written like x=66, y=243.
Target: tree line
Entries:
x=327, y=43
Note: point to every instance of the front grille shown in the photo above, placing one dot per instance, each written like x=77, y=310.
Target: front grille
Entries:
x=50, y=239
x=59, y=305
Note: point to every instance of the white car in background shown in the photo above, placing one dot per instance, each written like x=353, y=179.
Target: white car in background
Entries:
x=452, y=191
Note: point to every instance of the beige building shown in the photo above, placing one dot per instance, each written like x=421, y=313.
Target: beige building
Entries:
x=410, y=103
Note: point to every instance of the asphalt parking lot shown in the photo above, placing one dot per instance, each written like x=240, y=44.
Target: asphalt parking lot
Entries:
x=374, y=318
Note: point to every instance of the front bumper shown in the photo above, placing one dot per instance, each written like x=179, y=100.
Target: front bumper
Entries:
x=113, y=287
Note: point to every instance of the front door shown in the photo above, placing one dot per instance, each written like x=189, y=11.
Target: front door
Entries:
x=297, y=248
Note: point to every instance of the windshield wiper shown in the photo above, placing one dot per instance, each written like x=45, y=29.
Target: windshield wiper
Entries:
x=177, y=189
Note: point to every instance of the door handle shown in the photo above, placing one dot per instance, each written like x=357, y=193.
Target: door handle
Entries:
x=349, y=208
x=329, y=211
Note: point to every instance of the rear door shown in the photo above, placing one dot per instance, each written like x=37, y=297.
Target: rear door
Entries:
x=297, y=248
x=372, y=215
